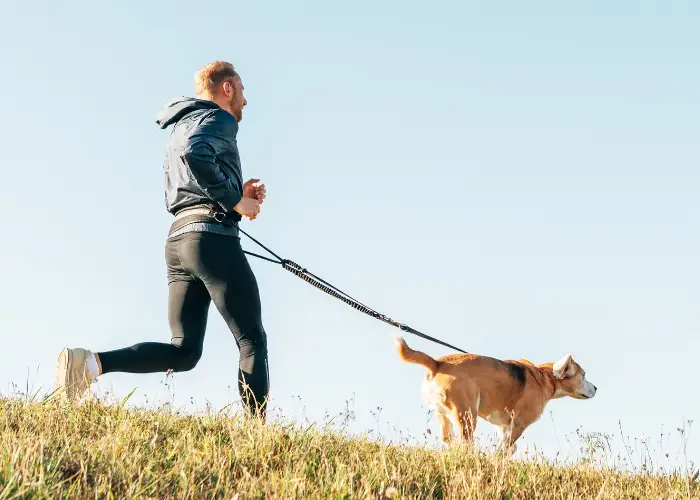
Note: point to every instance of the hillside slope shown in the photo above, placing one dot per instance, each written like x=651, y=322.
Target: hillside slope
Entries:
x=52, y=451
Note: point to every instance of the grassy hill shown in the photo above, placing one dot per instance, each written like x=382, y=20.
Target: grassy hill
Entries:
x=50, y=450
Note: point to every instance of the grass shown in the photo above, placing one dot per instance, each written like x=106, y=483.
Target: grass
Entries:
x=52, y=450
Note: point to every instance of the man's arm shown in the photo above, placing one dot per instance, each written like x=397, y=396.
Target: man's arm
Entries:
x=199, y=155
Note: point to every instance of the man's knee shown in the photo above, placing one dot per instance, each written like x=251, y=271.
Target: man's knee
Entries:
x=187, y=359
x=255, y=344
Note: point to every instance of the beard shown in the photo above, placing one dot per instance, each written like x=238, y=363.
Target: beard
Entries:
x=237, y=110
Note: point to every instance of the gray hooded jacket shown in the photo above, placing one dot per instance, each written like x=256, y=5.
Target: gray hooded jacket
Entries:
x=202, y=164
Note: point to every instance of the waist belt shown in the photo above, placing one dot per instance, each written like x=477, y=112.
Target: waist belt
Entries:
x=202, y=213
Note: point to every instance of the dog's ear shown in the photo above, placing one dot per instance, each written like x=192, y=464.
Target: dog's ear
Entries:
x=563, y=368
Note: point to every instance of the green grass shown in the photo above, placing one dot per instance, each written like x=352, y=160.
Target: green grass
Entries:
x=52, y=450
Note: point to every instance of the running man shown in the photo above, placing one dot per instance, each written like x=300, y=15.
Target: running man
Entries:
x=205, y=191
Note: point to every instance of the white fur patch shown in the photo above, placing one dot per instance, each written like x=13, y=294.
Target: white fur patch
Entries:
x=433, y=394
x=498, y=418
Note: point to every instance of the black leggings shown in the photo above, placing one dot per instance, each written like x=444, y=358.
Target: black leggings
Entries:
x=205, y=267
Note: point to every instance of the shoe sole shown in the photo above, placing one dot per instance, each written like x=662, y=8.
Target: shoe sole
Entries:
x=62, y=378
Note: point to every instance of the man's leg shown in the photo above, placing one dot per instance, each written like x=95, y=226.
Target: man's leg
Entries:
x=220, y=263
x=188, y=306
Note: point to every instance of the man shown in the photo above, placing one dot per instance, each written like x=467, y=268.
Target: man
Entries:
x=203, y=254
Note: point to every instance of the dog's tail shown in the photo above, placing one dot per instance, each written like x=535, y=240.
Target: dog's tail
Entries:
x=420, y=358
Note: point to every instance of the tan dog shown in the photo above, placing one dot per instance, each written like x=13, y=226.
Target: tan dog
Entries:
x=509, y=394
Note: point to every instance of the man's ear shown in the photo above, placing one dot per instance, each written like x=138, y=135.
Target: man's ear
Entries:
x=228, y=89
x=563, y=367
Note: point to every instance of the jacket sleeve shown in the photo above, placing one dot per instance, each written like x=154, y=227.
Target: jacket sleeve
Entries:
x=200, y=156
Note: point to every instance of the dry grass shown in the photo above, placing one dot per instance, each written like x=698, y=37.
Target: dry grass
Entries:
x=51, y=450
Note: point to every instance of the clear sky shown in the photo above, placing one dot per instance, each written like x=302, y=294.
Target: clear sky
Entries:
x=518, y=179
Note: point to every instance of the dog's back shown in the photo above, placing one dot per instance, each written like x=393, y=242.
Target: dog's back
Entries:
x=476, y=367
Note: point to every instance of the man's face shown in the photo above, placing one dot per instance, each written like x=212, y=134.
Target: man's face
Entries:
x=234, y=95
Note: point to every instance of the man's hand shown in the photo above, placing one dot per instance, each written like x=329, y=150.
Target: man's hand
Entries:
x=254, y=189
x=248, y=208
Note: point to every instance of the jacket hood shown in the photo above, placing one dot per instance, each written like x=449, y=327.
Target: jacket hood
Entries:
x=174, y=110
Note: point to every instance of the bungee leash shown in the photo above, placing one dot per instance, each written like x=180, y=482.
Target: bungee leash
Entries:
x=326, y=287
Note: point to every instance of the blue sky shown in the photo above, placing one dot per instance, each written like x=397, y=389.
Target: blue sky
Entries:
x=518, y=180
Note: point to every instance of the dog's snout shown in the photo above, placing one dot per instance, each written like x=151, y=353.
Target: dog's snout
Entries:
x=590, y=389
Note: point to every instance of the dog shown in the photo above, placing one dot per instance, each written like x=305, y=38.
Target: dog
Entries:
x=509, y=394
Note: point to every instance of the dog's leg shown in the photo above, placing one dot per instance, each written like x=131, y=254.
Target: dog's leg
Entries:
x=505, y=439
x=466, y=418
x=509, y=435
x=445, y=426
